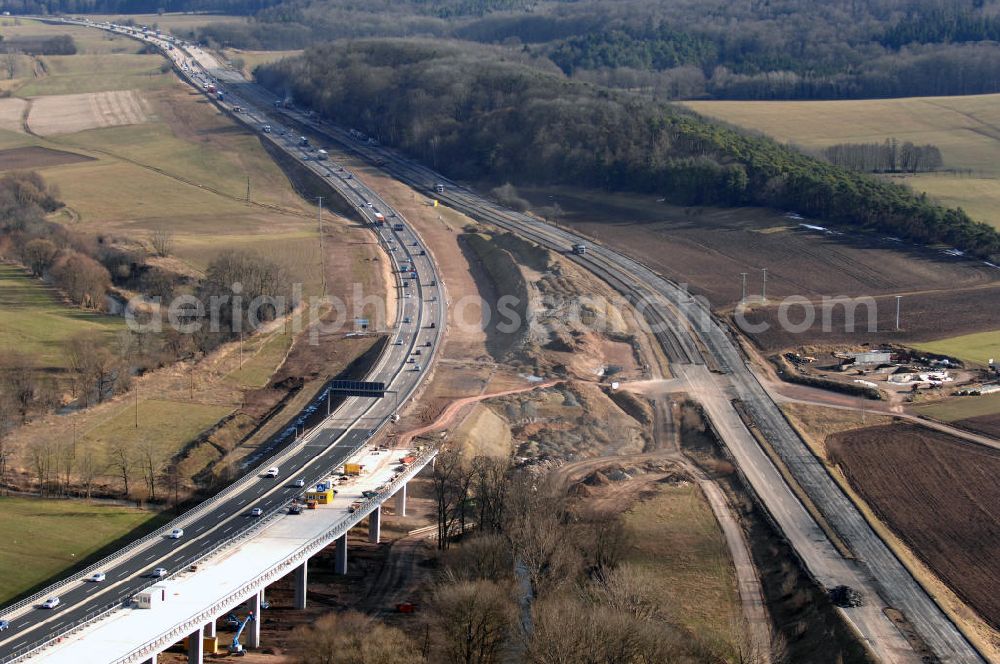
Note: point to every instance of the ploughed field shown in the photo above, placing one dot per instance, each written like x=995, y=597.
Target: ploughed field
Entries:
x=36, y=156
x=923, y=317
x=939, y=495
x=709, y=248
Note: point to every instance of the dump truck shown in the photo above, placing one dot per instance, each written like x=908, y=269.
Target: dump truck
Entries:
x=579, y=249
x=379, y=219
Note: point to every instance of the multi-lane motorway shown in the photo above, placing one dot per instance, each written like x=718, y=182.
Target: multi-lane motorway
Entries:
x=417, y=329
x=695, y=342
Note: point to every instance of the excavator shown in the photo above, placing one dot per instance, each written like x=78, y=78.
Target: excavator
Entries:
x=236, y=648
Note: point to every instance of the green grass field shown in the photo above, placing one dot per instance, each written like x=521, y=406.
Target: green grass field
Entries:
x=86, y=40
x=168, y=21
x=976, y=348
x=73, y=74
x=966, y=129
x=676, y=538
x=170, y=423
x=961, y=408
x=34, y=321
x=41, y=538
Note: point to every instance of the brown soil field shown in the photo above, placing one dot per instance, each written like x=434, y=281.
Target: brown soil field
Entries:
x=924, y=317
x=939, y=495
x=67, y=114
x=708, y=249
x=34, y=156
x=985, y=424
x=11, y=112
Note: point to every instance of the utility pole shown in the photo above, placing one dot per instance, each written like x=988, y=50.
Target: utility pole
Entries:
x=137, y=405
x=248, y=189
x=898, y=298
x=763, y=291
x=743, y=295
x=241, y=350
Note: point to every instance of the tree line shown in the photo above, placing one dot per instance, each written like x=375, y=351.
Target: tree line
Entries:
x=473, y=113
x=887, y=157
x=87, y=270
x=57, y=45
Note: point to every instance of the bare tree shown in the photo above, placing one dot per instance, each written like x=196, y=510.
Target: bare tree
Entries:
x=470, y=622
x=121, y=461
x=352, y=638
x=491, y=479
x=151, y=462
x=100, y=373
x=41, y=454
x=605, y=540
x=162, y=240
x=483, y=556
x=39, y=255
x=538, y=537
x=20, y=383
x=172, y=479
x=7, y=418
x=66, y=460
x=450, y=481
x=10, y=63
x=89, y=469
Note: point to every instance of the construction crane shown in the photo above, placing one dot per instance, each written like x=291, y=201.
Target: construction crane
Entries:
x=236, y=648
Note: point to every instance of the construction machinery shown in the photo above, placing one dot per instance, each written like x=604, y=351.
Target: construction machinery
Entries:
x=236, y=648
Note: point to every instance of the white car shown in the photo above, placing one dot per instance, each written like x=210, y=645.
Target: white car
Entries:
x=300, y=482
x=176, y=533
x=50, y=603
x=159, y=572
x=96, y=577
x=256, y=512
x=271, y=472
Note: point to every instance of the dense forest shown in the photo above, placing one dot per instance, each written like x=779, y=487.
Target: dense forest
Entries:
x=779, y=49
x=479, y=113
x=760, y=49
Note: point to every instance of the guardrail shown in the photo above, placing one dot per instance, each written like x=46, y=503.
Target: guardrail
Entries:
x=211, y=502
x=279, y=569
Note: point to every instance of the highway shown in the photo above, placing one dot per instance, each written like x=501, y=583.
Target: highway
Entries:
x=709, y=361
x=220, y=520
x=705, y=355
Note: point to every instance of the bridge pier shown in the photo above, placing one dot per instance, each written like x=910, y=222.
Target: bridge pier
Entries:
x=401, y=500
x=210, y=630
x=340, y=555
x=253, y=638
x=375, y=525
x=301, y=581
x=196, y=647
x=151, y=660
